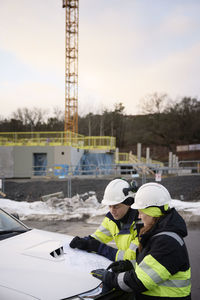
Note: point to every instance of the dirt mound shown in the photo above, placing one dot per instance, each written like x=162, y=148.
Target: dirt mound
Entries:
x=185, y=188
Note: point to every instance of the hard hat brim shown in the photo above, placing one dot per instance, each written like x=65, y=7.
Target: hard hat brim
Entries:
x=135, y=206
x=107, y=202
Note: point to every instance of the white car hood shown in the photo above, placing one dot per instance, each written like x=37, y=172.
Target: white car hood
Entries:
x=30, y=264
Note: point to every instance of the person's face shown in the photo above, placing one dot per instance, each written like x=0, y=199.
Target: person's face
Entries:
x=147, y=220
x=118, y=211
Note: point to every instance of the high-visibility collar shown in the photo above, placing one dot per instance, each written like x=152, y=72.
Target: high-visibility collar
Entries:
x=154, y=211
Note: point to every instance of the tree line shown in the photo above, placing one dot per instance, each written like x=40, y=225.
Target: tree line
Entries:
x=162, y=125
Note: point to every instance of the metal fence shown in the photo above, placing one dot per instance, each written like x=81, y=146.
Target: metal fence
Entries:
x=190, y=166
x=63, y=170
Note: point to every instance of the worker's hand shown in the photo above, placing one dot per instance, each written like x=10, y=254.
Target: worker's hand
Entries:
x=73, y=243
x=99, y=273
x=79, y=243
x=88, y=244
x=93, y=245
x=121, y=266
x=108, y=278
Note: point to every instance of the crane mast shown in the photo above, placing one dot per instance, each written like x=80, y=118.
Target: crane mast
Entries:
x=71, y=65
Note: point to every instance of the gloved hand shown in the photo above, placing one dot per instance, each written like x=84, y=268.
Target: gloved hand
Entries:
x=93, y=245
x=99, y=273
x=79, y=243
x=120, y=266
x=108, y=278
x=89, y=244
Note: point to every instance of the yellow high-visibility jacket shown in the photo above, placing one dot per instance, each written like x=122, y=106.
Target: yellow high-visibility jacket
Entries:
x=124, y=234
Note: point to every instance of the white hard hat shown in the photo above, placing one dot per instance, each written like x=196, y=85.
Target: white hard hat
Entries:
x=151, y=194
x=116, y=192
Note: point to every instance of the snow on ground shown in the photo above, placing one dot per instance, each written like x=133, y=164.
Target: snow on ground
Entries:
x=186, y=206
x=79, y=207
x=74, y=208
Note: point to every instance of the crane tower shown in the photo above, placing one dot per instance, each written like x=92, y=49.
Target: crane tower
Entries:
x=71, y=64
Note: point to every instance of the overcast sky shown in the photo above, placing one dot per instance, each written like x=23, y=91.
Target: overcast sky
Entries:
x=128, y=49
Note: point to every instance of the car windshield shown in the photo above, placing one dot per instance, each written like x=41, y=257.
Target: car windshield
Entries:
x=9, y=224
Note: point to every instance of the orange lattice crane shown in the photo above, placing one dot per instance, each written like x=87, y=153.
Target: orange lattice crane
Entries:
x=71, y=65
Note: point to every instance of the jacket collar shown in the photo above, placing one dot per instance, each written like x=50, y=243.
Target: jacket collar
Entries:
x=126, y=221
x=172, y=221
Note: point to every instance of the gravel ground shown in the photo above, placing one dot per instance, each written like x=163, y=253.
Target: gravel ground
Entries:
x=185, y=188
x=66, y=227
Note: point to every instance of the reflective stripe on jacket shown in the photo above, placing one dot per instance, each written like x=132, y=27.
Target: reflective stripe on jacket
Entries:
x=125, y=238
x=159, y=282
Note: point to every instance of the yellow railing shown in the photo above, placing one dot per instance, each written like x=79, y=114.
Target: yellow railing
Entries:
x=122, y=158
x=127, y=158
x=57, y=138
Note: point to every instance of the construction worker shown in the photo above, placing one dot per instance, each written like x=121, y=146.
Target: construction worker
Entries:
x=162, y=269
x=120, y=224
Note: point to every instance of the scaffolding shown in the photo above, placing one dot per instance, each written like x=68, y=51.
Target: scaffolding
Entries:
x=71, y=65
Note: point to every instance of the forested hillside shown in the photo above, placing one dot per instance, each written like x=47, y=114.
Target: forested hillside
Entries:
x=162, y=125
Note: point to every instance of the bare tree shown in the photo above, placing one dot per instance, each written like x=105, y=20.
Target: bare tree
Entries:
x=59, y=113
x=30, y=117
x=155, y=103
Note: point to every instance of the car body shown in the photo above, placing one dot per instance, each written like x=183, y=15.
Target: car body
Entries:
x=37, y=264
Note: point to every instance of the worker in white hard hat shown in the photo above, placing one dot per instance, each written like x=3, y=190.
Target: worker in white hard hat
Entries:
x=120, y=224
x=162, y=269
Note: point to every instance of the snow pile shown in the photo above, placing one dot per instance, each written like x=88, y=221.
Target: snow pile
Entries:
x=80, y=207
x=186, y=206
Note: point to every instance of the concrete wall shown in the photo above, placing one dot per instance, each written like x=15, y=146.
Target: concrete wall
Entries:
x=76, y=155
x=62, y=155
x=6, y=162
x=18, y=161
x=65, y=155
x=23, y=159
